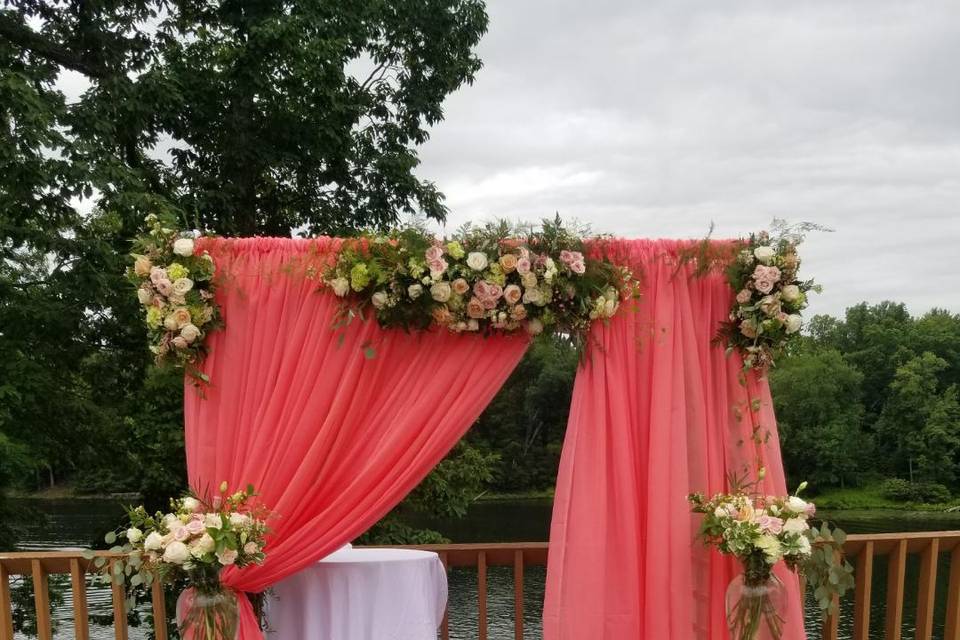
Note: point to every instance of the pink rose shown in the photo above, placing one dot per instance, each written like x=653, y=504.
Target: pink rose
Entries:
x=810, y=510
x=434, y=253
x=165, y=287
x=195, y=526
x=512, y=294
x=523, y=265
x=769, y=524
x=480, y=289
x=442, y=316
x=763, y=286
x=744, y=296
x=437, y=266
x=157, y=274
x=518, y=312
x=475, y=308
x=181, y=534
x=571, y=258
x=763, y=272
x=180, y=343
x=578, y=267
x=748, y=328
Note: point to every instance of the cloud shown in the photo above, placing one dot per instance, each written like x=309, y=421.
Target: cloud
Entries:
x=654, y=119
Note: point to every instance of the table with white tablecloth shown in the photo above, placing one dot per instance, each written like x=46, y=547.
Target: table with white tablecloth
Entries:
x=361, y=594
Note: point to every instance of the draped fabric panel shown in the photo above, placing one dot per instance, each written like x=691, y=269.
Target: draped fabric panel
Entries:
x=658, y=412
x=331, y=437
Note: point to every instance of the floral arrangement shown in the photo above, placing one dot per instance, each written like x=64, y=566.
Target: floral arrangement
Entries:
x=175, y=288
x=195, y=540
x=766, y=314
x=491, y=279
x=761, y=531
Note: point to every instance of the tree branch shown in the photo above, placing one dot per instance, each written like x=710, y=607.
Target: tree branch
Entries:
x=26, y=38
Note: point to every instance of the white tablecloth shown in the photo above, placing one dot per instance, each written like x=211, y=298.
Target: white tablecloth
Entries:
x=361, y=594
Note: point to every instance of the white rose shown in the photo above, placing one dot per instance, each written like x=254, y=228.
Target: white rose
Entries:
x=182, y=285
x=790, y=293
x=764, y=254
x=533, y=296
x=529, y=279
x=134, y=535
x=190, y=503
x=804, y=545
x=473, y=325
x=340, y=286
x=176, y=553
x=227, y=557
x=145, y=296
x=183, y=247
x=204, y=544
x=795, y=525
x=794, y=322
x=170, y=323
x=153, y=542
x=212, y=521
x=477, y=260
x=189, y=332
x=251, y=548
x=239, y=520
x=720, y=512
x=379, y=299
x=415, y=291
x=797, y=505
x=534, y=327
x=440, y=291
x=172, y=522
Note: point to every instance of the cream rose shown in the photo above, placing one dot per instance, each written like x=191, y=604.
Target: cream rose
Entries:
x=182, y=285
x=180, y=342
x=475, y=308
x=794, y=322
x=153, y=542
x=440, y=291
x=477, y=260
x=795, y=525
x=183, y=247
x=764, y=254
x=182, y=315
x=213, y=521
x=340, y=286
x=134, y=535
x=790, y=293
x=170, y=323
x=379, y=299
x=415, y=291
x=529, y=279
x=508, y=262
x=190, y=503
x=239, y=520
x=189, y=332
x=176, y=553
x=145, y=296
x=203, y=545
x=797, y=505
x=512, y=294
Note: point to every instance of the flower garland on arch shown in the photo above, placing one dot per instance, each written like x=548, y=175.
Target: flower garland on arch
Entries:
x=495, y=278
x=176, y=292
x=765, y=318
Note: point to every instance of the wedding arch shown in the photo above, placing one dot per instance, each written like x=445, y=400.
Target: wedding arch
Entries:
x=334, y=374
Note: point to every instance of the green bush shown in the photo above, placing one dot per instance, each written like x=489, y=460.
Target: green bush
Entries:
x=906, y=491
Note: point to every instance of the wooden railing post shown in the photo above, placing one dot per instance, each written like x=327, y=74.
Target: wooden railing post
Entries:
x=159, y=611
x=119, y=607
x=482, y=594
x=78, y=583
x=6, y=606
x=518, y=594
x=896, y=567
x=927, y=588
x=41, y=600
x=952, y=626
x=862, y=592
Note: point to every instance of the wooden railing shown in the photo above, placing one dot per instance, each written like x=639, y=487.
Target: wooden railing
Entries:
x=865, y=551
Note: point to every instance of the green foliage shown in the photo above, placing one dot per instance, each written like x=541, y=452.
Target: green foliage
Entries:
x=906, y=491
x=817, y=400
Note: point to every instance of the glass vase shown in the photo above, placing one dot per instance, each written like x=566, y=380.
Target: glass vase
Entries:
x=208, y=613
x=756, y=608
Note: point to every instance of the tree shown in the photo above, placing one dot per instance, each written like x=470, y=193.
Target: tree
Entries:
x=817, y=397
x=246, y=116
x=912, y=397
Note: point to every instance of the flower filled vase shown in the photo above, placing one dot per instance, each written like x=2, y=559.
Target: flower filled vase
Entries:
x=756, y=606
x=207, y=610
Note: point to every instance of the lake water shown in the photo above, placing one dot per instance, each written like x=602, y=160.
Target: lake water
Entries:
x=77, y=523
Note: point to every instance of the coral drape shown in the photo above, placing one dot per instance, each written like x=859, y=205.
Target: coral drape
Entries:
x=331, y=439
x=658, y=412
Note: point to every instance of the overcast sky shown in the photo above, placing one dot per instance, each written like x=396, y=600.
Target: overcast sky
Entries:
x=652, y=119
